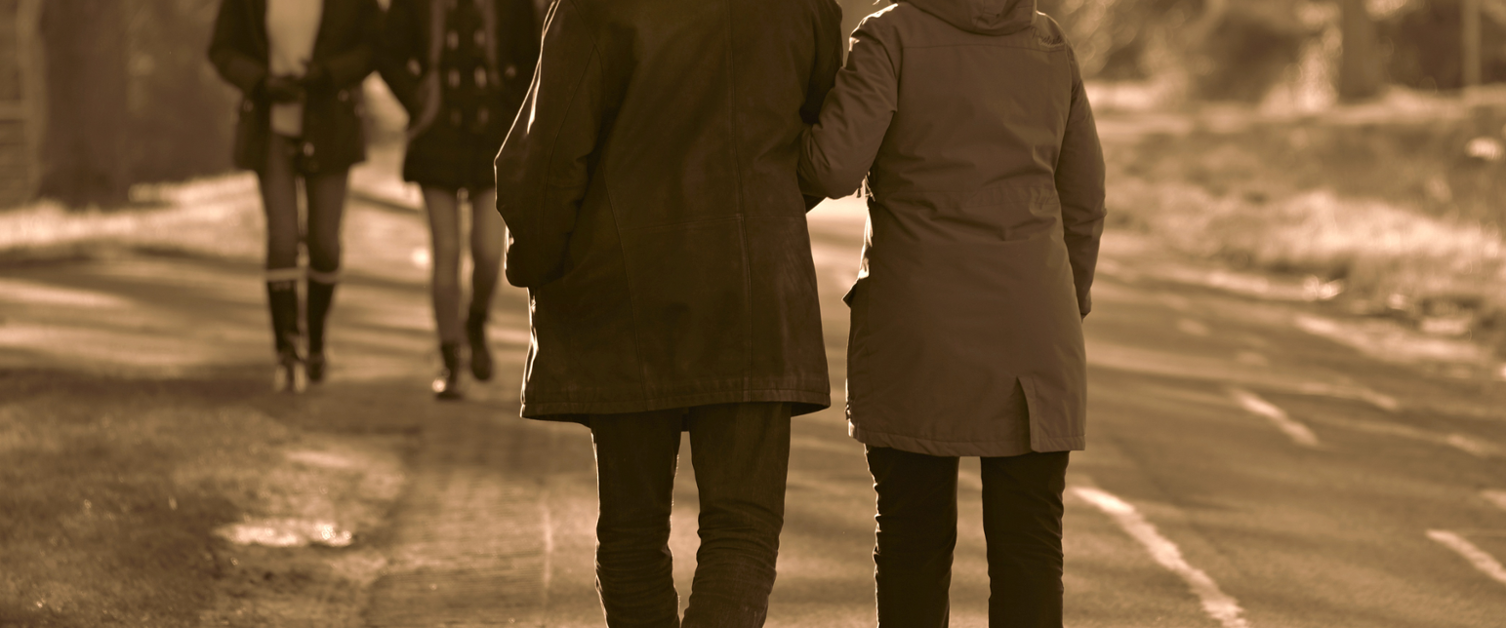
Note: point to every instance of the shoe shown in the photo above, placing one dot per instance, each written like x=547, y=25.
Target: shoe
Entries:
x=481, y=352
x=447, y=384
x=314, y=366
x=289, y=375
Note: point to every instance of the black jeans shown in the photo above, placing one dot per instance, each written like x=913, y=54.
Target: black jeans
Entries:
x=741, y=457
x=917, y=532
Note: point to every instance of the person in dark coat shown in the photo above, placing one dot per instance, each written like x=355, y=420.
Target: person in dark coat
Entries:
x=969, y=120
x=299, y=66
x=654, y=214
x=461, y=69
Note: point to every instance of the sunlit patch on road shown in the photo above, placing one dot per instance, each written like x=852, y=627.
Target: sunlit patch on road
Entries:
x=1299, y=433
x=1215, y=602
x=1477, y=557
x=285, y=533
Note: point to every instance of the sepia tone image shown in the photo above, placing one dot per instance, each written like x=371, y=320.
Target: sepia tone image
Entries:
x=743, y=313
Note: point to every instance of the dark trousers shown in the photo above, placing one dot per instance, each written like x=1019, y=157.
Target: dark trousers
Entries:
x=741, y=456
x=917, y=532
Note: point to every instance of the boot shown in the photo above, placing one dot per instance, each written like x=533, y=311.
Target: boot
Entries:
x=481, y=352
x=447, y=384
x=282, y=300
x=321, y=296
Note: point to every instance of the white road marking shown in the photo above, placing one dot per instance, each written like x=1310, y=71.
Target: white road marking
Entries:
x=1252, y=358
x=1486, y=563
x=1193, y=328
x=1175, y=301
x=1495, y=497
x=1359, y=393
x=1468, y=444
x=1216, y=603
x=1298, y=432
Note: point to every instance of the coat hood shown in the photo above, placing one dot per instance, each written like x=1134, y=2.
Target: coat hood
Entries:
x=984, y=17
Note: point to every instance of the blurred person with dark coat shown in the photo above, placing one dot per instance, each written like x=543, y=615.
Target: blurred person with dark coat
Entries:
x=299, y=65
x=461, y=69
x=969, y=121
x=653, y=210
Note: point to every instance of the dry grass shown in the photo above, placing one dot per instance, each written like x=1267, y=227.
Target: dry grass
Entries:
x=1401, y=214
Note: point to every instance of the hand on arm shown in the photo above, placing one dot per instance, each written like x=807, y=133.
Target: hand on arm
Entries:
x=836, y=152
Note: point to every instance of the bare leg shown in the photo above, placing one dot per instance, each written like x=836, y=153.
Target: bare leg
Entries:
x=444, y=230
x=488, y=234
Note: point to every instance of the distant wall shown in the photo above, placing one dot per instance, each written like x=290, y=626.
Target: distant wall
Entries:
x=22, y=108
x=131, y=97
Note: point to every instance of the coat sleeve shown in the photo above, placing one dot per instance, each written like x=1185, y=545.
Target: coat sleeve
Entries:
x=544, y=166
x=1080, y=186
x=823, y=69
x=231, y=48
x=351, y=65
x=837, y=151
x=399, y=45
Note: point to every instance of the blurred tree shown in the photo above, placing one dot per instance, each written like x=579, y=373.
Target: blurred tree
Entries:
x=1426, y=47
x=1359, y=67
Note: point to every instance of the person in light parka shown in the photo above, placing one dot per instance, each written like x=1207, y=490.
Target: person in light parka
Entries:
x=969, y=121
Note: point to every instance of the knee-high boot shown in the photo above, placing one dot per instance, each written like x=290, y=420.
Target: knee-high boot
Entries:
x=321, y=297
x=282, y=300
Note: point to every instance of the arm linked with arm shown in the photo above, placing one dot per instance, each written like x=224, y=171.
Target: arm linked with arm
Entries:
x=824, y=68
x=1080, y=186
x=543, y=169
x=837, y=151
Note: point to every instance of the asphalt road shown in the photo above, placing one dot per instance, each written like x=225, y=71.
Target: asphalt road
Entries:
x=1253, y=460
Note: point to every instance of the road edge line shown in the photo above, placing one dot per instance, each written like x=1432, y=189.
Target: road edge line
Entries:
x=1219, y=605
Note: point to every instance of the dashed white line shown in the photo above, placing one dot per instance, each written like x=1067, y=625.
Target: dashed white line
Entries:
x=1467, y=444
x=1477, y=557
x=1216, y=603
x=1495, y=497
x=1294, y=430
x=1193, y=328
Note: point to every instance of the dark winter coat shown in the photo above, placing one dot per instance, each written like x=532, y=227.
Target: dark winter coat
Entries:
x=333, y=138
x=649, y=188
x=447, y=149
x=969, y=120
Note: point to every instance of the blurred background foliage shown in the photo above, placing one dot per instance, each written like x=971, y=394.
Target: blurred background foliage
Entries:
x=131, y=98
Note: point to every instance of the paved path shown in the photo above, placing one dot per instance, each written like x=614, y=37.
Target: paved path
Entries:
x=1248, y=465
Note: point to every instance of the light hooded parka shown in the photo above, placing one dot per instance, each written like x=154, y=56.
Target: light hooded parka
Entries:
x=969, y=120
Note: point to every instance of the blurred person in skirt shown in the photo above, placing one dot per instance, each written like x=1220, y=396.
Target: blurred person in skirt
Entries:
x=461, y=69
x=299, y=66
x=969, y=120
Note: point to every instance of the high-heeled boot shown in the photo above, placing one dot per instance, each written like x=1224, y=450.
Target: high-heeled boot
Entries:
x=481, y=352
x=447, y=384
x=282, y=300
x=321, y=297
